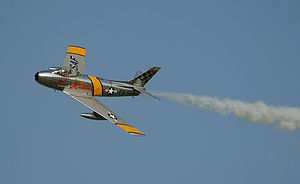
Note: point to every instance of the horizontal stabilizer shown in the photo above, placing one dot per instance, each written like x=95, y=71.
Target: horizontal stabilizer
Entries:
x=142, y=90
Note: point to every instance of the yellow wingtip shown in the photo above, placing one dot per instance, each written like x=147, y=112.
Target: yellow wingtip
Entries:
x=72, y=49
x=131, y=130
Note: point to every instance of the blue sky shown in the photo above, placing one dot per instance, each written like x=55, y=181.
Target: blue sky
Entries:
x=246, y=50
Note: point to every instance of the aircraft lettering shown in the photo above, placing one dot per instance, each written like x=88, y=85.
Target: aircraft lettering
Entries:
x=63, y=81
x=53, y=83
x=75, y=84
x=57, y=82
x=79, y=85
x=73, y=63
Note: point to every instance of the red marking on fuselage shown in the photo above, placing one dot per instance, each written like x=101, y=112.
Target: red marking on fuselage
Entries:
x=57, y=82
x=64, y=80
x=74, y=85
x=53, y=83
x=152, y=71
x=79, y=85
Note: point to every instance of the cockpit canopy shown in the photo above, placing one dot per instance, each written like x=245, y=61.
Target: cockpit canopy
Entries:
x=66, y=72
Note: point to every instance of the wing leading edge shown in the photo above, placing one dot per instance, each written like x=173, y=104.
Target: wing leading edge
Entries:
x=98, y=107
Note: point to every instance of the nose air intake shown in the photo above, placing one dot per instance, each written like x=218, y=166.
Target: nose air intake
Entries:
x=36, y=76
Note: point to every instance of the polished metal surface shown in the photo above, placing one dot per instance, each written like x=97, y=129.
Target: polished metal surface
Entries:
x=71, y=79
x=74, y=61
x=102, y=110
x=113, y=88
x=93, y=116
x=96, y=106
x=59, y=82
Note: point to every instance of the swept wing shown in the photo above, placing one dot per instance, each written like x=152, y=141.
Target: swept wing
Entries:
x=95, y=105
x=75, y=59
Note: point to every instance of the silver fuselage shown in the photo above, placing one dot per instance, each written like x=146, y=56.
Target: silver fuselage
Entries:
x=109, y=88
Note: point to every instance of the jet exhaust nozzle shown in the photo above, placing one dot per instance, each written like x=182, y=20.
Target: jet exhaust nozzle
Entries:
x=94, y=116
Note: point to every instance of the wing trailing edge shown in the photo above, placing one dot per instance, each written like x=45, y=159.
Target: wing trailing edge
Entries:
x=102, y=110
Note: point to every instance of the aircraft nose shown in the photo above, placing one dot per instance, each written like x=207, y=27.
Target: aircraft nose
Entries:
x=36, y=76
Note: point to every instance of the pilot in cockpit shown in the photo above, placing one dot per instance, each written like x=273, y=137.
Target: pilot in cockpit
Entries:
x=66, y=72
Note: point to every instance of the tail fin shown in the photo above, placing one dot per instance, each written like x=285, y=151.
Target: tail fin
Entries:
x=142, y=78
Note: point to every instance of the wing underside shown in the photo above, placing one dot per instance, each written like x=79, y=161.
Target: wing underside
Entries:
x=98, y=107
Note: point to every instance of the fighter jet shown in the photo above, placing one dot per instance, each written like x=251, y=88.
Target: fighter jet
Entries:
x=71, y=79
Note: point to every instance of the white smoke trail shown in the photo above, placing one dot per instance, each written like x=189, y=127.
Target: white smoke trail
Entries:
x=281, y=117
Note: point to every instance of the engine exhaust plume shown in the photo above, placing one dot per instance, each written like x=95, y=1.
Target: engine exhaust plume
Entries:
x=282, y=117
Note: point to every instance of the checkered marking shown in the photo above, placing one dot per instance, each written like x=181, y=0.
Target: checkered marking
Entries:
x=146, y=76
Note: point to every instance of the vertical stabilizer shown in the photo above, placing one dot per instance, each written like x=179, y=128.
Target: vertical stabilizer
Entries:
x=142, y=78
